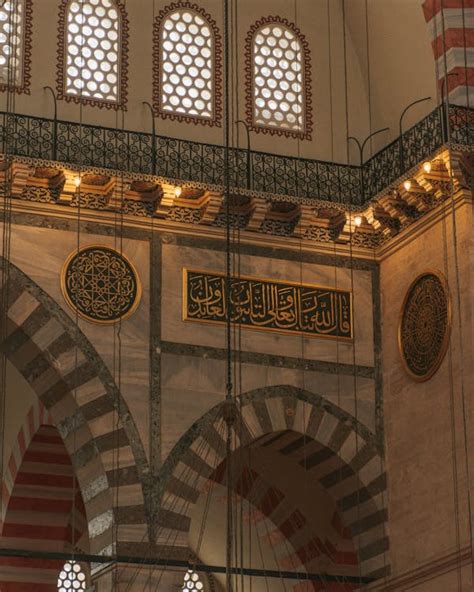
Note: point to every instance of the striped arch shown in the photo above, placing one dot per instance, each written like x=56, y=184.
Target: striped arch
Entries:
x=451, y=24
x=36, y=416
x=82, y=400
x=45, y=511
x=340, y=452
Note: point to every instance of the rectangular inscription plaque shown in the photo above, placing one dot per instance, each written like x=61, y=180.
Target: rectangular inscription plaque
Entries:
x=267, y=305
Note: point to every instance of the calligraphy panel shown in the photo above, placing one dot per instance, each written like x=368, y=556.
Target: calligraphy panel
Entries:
x=268, y=305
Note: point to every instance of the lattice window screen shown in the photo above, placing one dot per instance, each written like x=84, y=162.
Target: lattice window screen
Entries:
x=278, y=78
x=71, y=578
x=187, y=65
x=12, y=23
x=192, y=582
x=93, y=50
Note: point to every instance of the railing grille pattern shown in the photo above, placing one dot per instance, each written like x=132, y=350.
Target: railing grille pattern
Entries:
x=137, y=152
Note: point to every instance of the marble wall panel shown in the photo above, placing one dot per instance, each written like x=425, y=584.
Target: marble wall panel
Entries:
x=426, y=422
x=175, y=258
x=192, y=385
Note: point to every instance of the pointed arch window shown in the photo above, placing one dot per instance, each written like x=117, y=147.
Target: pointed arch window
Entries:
x=71, y=578
x=192, y=582
x=187, y=65
x=92, y=52
x=15, y=45
x=278, y=79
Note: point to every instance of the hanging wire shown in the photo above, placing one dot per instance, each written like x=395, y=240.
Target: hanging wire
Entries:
x=76, y=311
x=352, y=283
x=6, y=219
x=384, y=494
x=459, y=308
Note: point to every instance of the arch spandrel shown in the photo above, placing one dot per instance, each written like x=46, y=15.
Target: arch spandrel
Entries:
x=82, y=401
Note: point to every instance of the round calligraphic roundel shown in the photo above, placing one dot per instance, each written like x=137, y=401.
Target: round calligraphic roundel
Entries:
x=100, y=284
x=425, y=325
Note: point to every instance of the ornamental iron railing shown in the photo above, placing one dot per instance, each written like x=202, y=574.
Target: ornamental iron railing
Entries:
x=124, y=150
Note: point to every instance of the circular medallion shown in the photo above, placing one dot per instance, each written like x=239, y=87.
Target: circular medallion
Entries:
x=100, y=284
x=425, y=324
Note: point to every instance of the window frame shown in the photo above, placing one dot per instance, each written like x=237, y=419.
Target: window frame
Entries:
x=121, y=102
x=23, y=87
x=216, y=119
x=306, y=132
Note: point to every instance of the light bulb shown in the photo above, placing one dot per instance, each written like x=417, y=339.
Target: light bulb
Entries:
x=427, y=166
x=77, y=181
x=177, y=191
x=407, y=185
x=358, y=220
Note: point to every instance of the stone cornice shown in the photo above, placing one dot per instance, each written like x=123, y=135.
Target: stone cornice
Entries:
x=395, y=216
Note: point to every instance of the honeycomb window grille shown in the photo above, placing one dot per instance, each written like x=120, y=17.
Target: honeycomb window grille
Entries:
x=71, y=578
x=187, y=65
x=278, y=79
x=15, y=44
x=92, y=52
x=192, y=582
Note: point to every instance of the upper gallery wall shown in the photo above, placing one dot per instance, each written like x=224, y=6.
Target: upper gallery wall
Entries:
x=341, y=83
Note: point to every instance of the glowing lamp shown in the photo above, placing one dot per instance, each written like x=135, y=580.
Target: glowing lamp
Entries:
x=178, y=191
x=407, y=185
x=427, y=167
x=358, y=220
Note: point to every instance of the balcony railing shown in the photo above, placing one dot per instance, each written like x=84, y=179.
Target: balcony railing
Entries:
x=87, y=145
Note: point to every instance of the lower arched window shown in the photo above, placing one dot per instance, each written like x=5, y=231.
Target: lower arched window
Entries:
x=192, y=582
x=71, y=578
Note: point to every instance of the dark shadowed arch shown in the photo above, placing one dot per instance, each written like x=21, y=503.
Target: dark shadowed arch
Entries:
x=348, y=464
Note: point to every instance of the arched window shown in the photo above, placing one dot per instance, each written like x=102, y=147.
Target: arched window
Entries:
x=15, y=44
x=71, y=578
x=92, y=52
x=187, y=76
x=278, y=79
x=192, y=582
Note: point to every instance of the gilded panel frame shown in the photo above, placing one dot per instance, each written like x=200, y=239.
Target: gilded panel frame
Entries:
x=82, y=315
x=186, y=319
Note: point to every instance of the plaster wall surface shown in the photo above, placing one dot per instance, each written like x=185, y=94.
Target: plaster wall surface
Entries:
x=390, y=85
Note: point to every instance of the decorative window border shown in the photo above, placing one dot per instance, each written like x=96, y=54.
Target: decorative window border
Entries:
x=24, y=87
x=217, y=67
x=121, y=104
x=249, y=81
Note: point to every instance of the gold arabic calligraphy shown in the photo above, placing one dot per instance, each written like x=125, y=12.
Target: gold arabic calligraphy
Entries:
x=269, y=305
